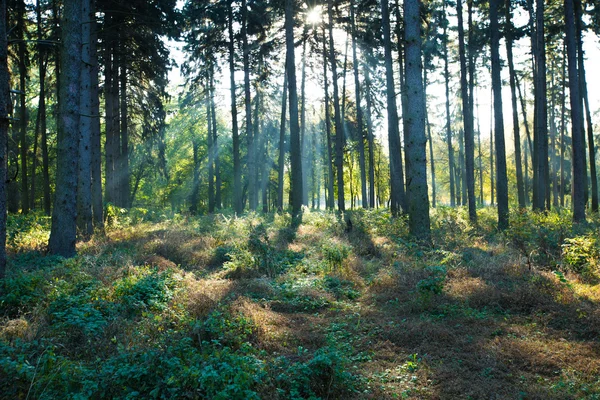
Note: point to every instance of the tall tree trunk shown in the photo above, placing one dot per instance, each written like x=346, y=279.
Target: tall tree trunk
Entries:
x=195, y=195
x=237, y=173
x=586, y=103
x=481, y=200
x=211, y=149
x=448, y=122
x=515, y=110
x=359, y=113
x=370, y=138
x=22, y=55
x=339, y=129
x=63, y=233
x=576, y=115
x=109, y=110
x=215, y=141
x=502, y=178
x=124, y=145
x=84, y=187
x=4, y=118
x=305, y=164
x=467, y=119
x=252, y=181
x=281, y=158
x=414, y=137
x=492, y=175
x=330, y=198
x=429, y=139
x=563, y=112
x=397, y=194
x=116, y=115
x=540, y=138
x=295, y=156
x=96, y=168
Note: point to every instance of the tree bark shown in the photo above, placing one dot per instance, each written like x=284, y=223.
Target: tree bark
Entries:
x=448, y=122
x=339, y=129
x=397, y=194
x=515, y=110
x=124, y=145
x=576, y=115
x=540, y=139
x=467, y=120
x=4, y=118
x=359, y=113
x=429, y=139
x=22, y=55
x=370, y=138
x=295, y=156
x=586, y=103
x=414, y=137
x=84, y=187
x=252, y=184
x=96, y=169
x=63, y=233
x=237, y=173
x=502, y=179
x=281, y=158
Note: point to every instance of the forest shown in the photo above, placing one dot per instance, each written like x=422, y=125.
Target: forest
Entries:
x=284, y=199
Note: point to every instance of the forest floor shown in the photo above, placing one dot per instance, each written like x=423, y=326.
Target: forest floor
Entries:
x=261, y=306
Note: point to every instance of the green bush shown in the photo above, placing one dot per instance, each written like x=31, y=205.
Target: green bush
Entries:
x=580, y=254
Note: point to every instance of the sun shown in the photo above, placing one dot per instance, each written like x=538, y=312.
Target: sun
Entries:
x=313, y=16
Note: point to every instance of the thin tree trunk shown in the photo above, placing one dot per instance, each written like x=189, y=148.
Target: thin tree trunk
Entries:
x=576, y=117
x=303, y=124
x=4, y=118
x=215, y=141
x=211, y=150
x=515, y=110
x=295, y=156
x=397, y=194
x=237, y=173
x=540, y=139
x=63, y=231
x=448, y=122
x=195, y=195
x=84, y=187
x=370, y=138
x=108, y=120
x=281, y=158
x=467, y=120
x=502, y=178
x=96, y=168
x=330, y=198
x=124, y=145
x=22, y=54
x=428, y=124
x=563, y=112
x=586, y=103
x=252, y=176
x=339, y=129
x=359, y=113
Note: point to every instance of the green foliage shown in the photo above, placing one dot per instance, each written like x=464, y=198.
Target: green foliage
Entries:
x=323, y=375
x=580, y=254
x=433, y=284
x=538, y=236
x=335, y=254
x=341, y=288
x=146, y=290
x=27, y=232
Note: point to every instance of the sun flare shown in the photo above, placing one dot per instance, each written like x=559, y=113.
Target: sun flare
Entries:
x=313, y=16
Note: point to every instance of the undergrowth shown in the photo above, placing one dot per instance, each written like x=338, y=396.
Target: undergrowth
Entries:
x=265, y=306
